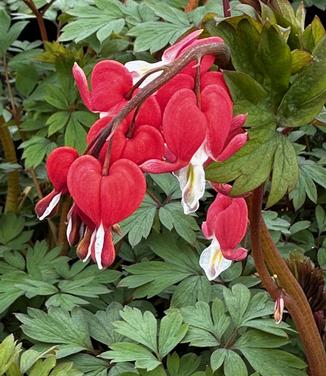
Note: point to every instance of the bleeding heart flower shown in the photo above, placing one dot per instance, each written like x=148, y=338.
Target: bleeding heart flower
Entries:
x=57, y=165
x=110, y=83
x=139, y=68
x=213, y=78
x=184, y=130
x=144, y=142
x=217, y=107
x=178, y=82
x=226, y=224
x=105, y=200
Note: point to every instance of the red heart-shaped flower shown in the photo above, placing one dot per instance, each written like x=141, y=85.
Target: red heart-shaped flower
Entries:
x=106, y=199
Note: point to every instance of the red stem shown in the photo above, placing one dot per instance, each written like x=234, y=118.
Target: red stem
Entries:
x=266, y=255
x=226, y=8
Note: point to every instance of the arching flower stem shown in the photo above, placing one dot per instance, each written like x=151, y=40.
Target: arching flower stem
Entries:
x=268, y=259
x=195, y=53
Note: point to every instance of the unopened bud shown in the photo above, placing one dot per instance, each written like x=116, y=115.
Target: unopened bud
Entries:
x=279, y=309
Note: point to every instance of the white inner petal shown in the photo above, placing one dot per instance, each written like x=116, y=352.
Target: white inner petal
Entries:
x=212, y=261
x=53, y=203
x=192, y=181
x=89, y=249
x=99, y=243
x=139, y=68
x=69, y=228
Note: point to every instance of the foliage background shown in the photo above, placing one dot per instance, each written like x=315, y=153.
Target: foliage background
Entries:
x=153, y=313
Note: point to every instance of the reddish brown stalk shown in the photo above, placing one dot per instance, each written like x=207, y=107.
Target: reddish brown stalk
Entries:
x=192, y=4
x=255, y=204
x=13, y=177
x=226, y=8
x=266, y=255
x=170, y=70
x=297, y=305
x=39, y=18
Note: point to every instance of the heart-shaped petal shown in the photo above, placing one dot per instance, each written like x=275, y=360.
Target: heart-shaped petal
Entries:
x=106, y=199
x=230, y=225
x=122, y=191
x=178, y=82
x=110, y=81
x=58, y=164
x=184, y=125
x=217, y=107
x=149, y=113
x=84, y=184
x=146, y=143
x=213, y=78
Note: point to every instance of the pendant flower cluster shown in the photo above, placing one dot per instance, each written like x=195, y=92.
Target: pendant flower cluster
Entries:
x=179, y=128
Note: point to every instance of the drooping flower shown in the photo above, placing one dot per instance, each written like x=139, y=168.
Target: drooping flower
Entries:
x=184, y=131
x=57, y=165
x=140, y=144
x=226, y=225
x=105, y=199
x=110, y=83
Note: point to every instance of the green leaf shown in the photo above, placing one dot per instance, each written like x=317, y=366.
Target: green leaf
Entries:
x=104, y=18
x=9, y=353
x=285, y=171
x=132, y=352
x=184, y=366
x=249, y=167
x=101, y=325
x=75, y=134
x=307, y=94
x=152, y=277
x=168, y=13
x=35, y=150
x=154, y=36
x=190, y=291
x=321, y=218
x=243, y=41
x=313, y=34
x=234, y=365
x=57, y=121
x=172, y=331
x=206, y=324
x=138, y=326
x=217, y=358
x=139, y=225
x=68, y=330
x=268, y=326
x=90, y=365
x=300, y=59
x=56, y=97
x=250, y=97
x=11, y=226
x=274, y=58
x=9, y=34
x=256, y=338
x=43, y=367
x=172, y=216
x=237, y=301
x=274, y=362
x=30, y=357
